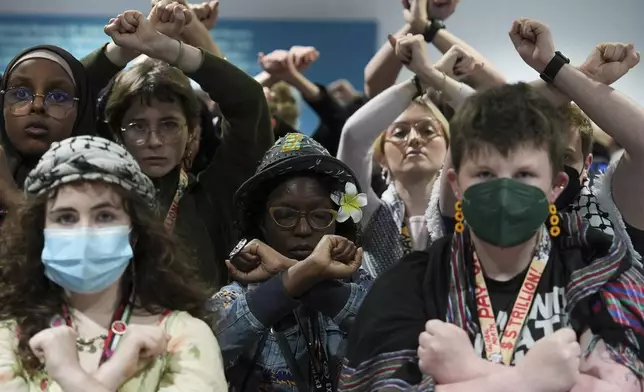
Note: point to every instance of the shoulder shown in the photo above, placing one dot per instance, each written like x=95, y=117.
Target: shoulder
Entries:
x=180, y=322
x=8, y=332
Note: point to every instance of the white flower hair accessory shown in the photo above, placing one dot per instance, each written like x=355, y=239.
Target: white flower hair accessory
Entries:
x=350, y=202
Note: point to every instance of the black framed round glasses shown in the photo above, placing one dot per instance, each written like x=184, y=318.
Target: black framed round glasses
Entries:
x=57, y=103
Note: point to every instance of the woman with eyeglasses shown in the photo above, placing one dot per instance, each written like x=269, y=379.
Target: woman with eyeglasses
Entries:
x=408, y=136
x=45, y=97
x=154, y=112
x=282, y=326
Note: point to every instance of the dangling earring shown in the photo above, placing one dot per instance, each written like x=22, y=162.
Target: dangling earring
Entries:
x=459, y=227
x=384, y=174
x=555, y=230
x=186, y=162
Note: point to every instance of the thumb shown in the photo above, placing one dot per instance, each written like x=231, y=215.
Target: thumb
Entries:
x=596, y=58
x=357, y=259
x=632, y=56
x=180, y=17
x=392, y=41
x=515, y=34
x=234, y=272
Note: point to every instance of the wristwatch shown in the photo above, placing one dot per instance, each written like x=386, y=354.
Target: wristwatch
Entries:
x=433, y=27
x=238, y=248
x=554, y=66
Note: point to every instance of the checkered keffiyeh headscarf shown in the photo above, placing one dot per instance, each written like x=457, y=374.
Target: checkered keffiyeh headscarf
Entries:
x=89, y=158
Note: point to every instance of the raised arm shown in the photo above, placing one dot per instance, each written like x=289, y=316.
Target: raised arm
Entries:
x=616, y=114
x=363, y=128
x=486, y=76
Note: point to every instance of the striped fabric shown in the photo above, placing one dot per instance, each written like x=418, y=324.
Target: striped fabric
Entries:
x=614, y=279
x=377, y=375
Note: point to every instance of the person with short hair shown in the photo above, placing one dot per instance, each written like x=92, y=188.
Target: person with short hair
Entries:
x=153, y=110
x=517, y=283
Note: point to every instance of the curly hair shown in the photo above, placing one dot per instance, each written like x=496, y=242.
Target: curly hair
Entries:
x=159, y=271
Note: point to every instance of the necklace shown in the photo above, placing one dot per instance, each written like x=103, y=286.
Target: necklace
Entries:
x=91, y=345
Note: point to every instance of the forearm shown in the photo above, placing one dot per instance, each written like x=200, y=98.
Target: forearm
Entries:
x=454, y=92
x=79, y=381
x=181, y=55
x=300, y=278
x=119, y=56
x=265, y=79
x=309, y=90
x=550, y=92
x=364, y=127
x=587, y=383
x=382, y=70
x=507, y=379
x=329, y=297
x=612, y=111
x=197, y=35
x=487, y=76
x=271, y=300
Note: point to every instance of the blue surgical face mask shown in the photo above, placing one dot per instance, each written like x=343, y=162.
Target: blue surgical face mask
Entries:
x=86, y=260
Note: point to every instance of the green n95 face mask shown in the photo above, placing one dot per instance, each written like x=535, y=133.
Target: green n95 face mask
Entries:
x=504, y=212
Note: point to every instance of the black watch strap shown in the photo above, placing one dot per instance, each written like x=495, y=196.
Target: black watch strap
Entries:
x=419, y=87
x=554, y=66
x=433, y=27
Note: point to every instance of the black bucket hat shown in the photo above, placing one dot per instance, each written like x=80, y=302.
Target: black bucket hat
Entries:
x=293, y=153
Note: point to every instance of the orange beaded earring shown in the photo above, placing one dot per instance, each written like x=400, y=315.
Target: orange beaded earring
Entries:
x=459, y=217
x=555, y=230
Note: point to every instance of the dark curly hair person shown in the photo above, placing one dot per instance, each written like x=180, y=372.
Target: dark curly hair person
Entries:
x=95, y=293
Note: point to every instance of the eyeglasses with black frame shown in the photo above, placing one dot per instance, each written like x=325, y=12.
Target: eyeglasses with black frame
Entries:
x=138, y=132
x=287, y=218
x=19, y=100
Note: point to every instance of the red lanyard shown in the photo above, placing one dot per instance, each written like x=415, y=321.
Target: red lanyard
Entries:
x=173, y=211
x=120, y=319
x=501, y=351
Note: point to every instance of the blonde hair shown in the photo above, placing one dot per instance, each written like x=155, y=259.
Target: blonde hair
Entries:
x=284, y=104
x=578, y=121
x=378, y=146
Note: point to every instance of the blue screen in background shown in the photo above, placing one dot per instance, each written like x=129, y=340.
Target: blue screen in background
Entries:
x=345, y=46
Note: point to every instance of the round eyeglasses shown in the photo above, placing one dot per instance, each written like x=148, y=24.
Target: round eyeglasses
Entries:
x=287, y=218
x=138, y=132
x=401, y=132
x=20, y=100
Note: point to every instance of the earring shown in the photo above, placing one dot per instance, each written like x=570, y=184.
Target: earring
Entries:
x=555, y=230
x=459, y=227
x=384, y=174
x=187, y=160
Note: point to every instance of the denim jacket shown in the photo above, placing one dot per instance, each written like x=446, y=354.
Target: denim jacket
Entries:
x=244, y=319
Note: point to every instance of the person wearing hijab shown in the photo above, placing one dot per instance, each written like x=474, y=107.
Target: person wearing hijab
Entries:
x=45, y=97
x=96, y=295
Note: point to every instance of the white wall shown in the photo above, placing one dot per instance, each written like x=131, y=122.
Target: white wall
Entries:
x=578, y=25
